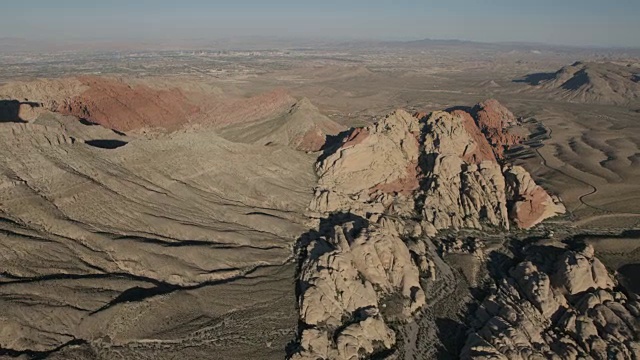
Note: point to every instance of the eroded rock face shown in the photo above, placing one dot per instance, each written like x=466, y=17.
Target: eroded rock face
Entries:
x=457, y=193
x=442, y=165
x=482, y=150
x=531, y=204
x=374, y=168
x=343, y=278
x=565, y=307
x=405, y=177
x=117, y=105
x=493, y=119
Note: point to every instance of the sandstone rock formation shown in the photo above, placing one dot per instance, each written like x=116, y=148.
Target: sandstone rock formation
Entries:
x=457, y=193
x=559, y=304
x=441, y=165
x=494, y=119
x=482, y=150
x=343, y=282
x=531, y=204
x=374, y=169
x=404, y=177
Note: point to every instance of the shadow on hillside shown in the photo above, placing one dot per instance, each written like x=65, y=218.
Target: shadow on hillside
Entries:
x=106, y=143
x=10, y=110
x=333, y=143
x=535, y=79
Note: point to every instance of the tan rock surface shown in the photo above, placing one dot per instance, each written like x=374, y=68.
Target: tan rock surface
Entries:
x=442, y=163
x=302, y=127
x=570, y=311
x=343, y=279
x=378, y=160
x=459, y=194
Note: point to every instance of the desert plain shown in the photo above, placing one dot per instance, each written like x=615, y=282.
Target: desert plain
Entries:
x=385, y=200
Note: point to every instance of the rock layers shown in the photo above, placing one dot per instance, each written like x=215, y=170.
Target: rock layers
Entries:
x=274, y=117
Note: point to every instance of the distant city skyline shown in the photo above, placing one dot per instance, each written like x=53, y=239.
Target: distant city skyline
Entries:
x=561, y=22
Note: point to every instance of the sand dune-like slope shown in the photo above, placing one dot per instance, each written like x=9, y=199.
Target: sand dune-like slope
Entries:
x=591, y=159
x=132, y=244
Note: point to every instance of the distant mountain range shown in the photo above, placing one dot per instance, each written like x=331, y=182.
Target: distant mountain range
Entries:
x=16, y=44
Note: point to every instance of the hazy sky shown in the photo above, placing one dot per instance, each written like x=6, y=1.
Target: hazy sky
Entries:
x=571, y=22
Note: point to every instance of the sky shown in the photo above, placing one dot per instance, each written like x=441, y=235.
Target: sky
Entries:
x=564, y=22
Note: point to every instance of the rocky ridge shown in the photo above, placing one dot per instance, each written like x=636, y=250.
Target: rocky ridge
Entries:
x=440, y=165
x=403, y=178
x=136, y=106
x=302, y=127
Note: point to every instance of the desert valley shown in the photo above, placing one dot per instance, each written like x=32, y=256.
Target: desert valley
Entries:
x=384, y=200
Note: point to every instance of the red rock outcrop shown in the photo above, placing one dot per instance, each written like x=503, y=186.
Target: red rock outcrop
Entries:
x=395, y=181
x=494, y=119
x=129, y=105
x=117, y=105
x=531, y=204
x=357, y=136
x=312, y=140
x=406, y=185
x=483, y=151
x=373, y=169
